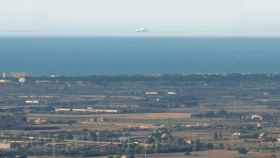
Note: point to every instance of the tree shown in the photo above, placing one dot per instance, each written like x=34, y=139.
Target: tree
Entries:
x=188, y=150
x=210, y=146
x=197, y=145
x=221, y=146
x=156, y=136
x=216, y=137
x=273, y=156
x=243, y=151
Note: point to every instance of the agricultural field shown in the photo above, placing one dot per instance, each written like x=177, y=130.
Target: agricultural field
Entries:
x=189, y=116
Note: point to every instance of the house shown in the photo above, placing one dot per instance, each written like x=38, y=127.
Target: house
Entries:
x=257, y=117
x=5, y=146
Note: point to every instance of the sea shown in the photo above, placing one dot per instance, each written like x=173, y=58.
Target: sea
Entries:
x=78, y=56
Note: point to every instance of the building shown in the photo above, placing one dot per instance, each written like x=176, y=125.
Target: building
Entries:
x=39, y=121
x=171, y=93
x=62, y=109
x=4, y=81
x=31, y=102
x=151, y=93
x=14, y=74
x=257, y=117
x=5, y=146
x=89, y=110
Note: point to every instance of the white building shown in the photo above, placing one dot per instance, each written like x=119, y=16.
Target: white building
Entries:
x=257, y=117
x=171, y=93
x=31, y=102
x=151, y=93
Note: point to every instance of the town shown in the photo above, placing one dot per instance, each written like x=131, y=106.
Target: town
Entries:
x=141, y=116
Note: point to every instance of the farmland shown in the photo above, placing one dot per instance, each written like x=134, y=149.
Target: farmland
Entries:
x=163, y=116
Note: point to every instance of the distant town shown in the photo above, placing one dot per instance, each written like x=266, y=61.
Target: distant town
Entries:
x=140, y=116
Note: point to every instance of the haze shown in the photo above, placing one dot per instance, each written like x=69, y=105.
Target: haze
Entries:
x=122, y=17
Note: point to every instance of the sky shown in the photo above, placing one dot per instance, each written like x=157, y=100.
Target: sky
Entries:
x=123, y=17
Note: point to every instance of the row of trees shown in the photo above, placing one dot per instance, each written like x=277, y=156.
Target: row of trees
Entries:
x=12, y=121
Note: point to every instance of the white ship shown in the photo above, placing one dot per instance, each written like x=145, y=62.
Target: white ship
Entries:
x=142, y=29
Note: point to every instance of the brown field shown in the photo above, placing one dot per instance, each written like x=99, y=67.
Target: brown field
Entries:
x=156, y=116
x=209, y=154
x=114, y=126
x=136, y=116
x=205, y=154
x=203, y=135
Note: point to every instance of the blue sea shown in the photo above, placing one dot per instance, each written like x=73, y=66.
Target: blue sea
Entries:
x=139, y=55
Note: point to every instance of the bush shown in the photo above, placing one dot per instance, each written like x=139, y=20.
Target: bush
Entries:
x=242, y=151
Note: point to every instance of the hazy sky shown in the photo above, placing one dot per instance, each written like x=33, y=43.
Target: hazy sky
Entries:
x=122, y=17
